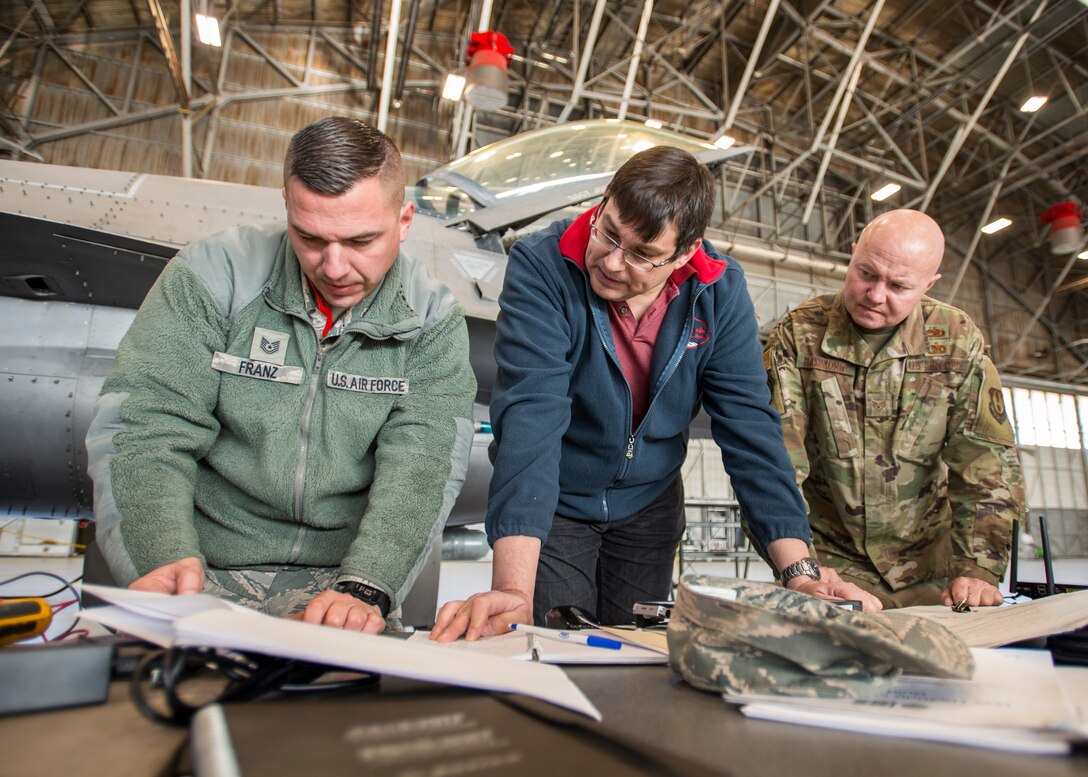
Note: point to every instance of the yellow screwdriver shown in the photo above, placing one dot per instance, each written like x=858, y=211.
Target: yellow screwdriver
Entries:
x=23, y=619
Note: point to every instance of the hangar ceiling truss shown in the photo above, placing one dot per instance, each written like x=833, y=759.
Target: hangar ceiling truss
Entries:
x=837, y=97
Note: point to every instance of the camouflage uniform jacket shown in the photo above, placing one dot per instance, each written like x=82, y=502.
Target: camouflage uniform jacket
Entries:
x=906, y=457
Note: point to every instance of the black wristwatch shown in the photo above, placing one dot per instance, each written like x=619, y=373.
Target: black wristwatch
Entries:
x=806, y=566
x=365, y=593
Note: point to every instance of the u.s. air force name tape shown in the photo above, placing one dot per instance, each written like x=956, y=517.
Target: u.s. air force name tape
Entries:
x=250, y=368
x=343, y=380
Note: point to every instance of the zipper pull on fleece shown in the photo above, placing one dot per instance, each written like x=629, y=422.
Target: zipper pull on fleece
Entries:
x=631, y=447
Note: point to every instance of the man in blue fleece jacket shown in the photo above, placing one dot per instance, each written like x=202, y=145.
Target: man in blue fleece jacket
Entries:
x=614, y=330
x=288, y=420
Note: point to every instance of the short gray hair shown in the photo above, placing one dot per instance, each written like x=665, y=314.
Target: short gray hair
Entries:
x=333, y=154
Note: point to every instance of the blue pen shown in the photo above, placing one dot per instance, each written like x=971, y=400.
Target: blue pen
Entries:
x=570, y=636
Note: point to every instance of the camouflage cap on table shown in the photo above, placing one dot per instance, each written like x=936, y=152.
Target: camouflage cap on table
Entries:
x=743, y=636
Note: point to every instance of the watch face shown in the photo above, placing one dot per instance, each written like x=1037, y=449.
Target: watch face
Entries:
x=364, y=593
x=358, y=590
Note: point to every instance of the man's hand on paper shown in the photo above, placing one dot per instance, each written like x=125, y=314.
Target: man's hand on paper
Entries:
x=484, y=614
x=184, y=576
x=342, y=611
x=975, y=592
x=831, y=586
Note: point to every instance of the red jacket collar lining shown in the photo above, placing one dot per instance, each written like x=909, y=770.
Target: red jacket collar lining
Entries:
x=573, y=242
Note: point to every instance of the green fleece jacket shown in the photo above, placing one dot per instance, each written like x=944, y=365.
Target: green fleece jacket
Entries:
x=228, y=432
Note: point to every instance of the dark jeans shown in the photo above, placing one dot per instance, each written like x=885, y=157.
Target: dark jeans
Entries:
x=605, y=567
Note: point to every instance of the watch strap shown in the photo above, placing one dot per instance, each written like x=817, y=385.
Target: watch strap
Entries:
x=805, y=566
x=365, y=593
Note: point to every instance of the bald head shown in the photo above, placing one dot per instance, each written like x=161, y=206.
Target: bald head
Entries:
x=894, y=263
x=912, y=236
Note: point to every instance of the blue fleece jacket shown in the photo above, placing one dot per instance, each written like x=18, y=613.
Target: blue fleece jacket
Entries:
x=561, y=408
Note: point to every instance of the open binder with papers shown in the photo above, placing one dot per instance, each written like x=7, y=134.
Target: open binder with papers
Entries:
x=199, y=620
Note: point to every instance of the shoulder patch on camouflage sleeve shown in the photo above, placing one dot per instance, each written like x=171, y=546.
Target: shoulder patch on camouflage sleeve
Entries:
x=774, y=379
x=990, y=420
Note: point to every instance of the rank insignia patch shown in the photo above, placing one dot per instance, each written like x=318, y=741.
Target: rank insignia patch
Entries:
x=268, y=346
x=997, y=405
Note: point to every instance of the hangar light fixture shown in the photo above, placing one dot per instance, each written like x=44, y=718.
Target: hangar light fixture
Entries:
x=207, y=30
x=1033, y=104
x=725, y=142
x=1083, y=255
x=654, y=124
x=885, y=191
x=453, y=86
x=996, y=226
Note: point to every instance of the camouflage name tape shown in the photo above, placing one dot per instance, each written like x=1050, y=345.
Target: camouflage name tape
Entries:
x=743, y=636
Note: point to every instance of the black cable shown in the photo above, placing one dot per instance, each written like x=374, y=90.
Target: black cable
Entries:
x=63, y=588
x=67, y=586
x=67, y=631
x=248, y=677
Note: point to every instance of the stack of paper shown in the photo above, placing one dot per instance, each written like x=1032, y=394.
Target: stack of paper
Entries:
x=205, y=621
x=1015, y=702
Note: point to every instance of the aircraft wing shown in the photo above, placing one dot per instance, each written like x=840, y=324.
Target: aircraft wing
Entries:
x=102, y=237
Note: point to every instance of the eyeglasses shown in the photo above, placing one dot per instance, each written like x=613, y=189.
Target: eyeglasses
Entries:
x=636, y=260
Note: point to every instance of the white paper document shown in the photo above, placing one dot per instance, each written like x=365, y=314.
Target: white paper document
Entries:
x=1015, y=702
x=205, y=621
x=516, y=645
x=994, y=626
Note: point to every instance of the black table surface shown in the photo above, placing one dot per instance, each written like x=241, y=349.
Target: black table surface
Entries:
x=648, y=703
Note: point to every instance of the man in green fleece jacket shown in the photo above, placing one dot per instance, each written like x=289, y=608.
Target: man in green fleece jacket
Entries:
x=288, y=420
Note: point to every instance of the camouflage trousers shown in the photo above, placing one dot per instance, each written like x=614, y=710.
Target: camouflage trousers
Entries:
x=273, y=590
x=276, y=590
x=926, y=592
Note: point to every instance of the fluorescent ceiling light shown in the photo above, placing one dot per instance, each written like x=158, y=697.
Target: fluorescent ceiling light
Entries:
x=207, y=30
x=1083, y=255
x=885, y=191
x=654, y=124
x=724, y=142
x=1033, y=104
x=453, y=87
x=996, y=226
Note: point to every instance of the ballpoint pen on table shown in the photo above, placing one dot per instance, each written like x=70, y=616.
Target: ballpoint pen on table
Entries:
x=570, y=636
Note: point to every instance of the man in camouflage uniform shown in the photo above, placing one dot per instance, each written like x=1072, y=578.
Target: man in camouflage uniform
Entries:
x=895, y=421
